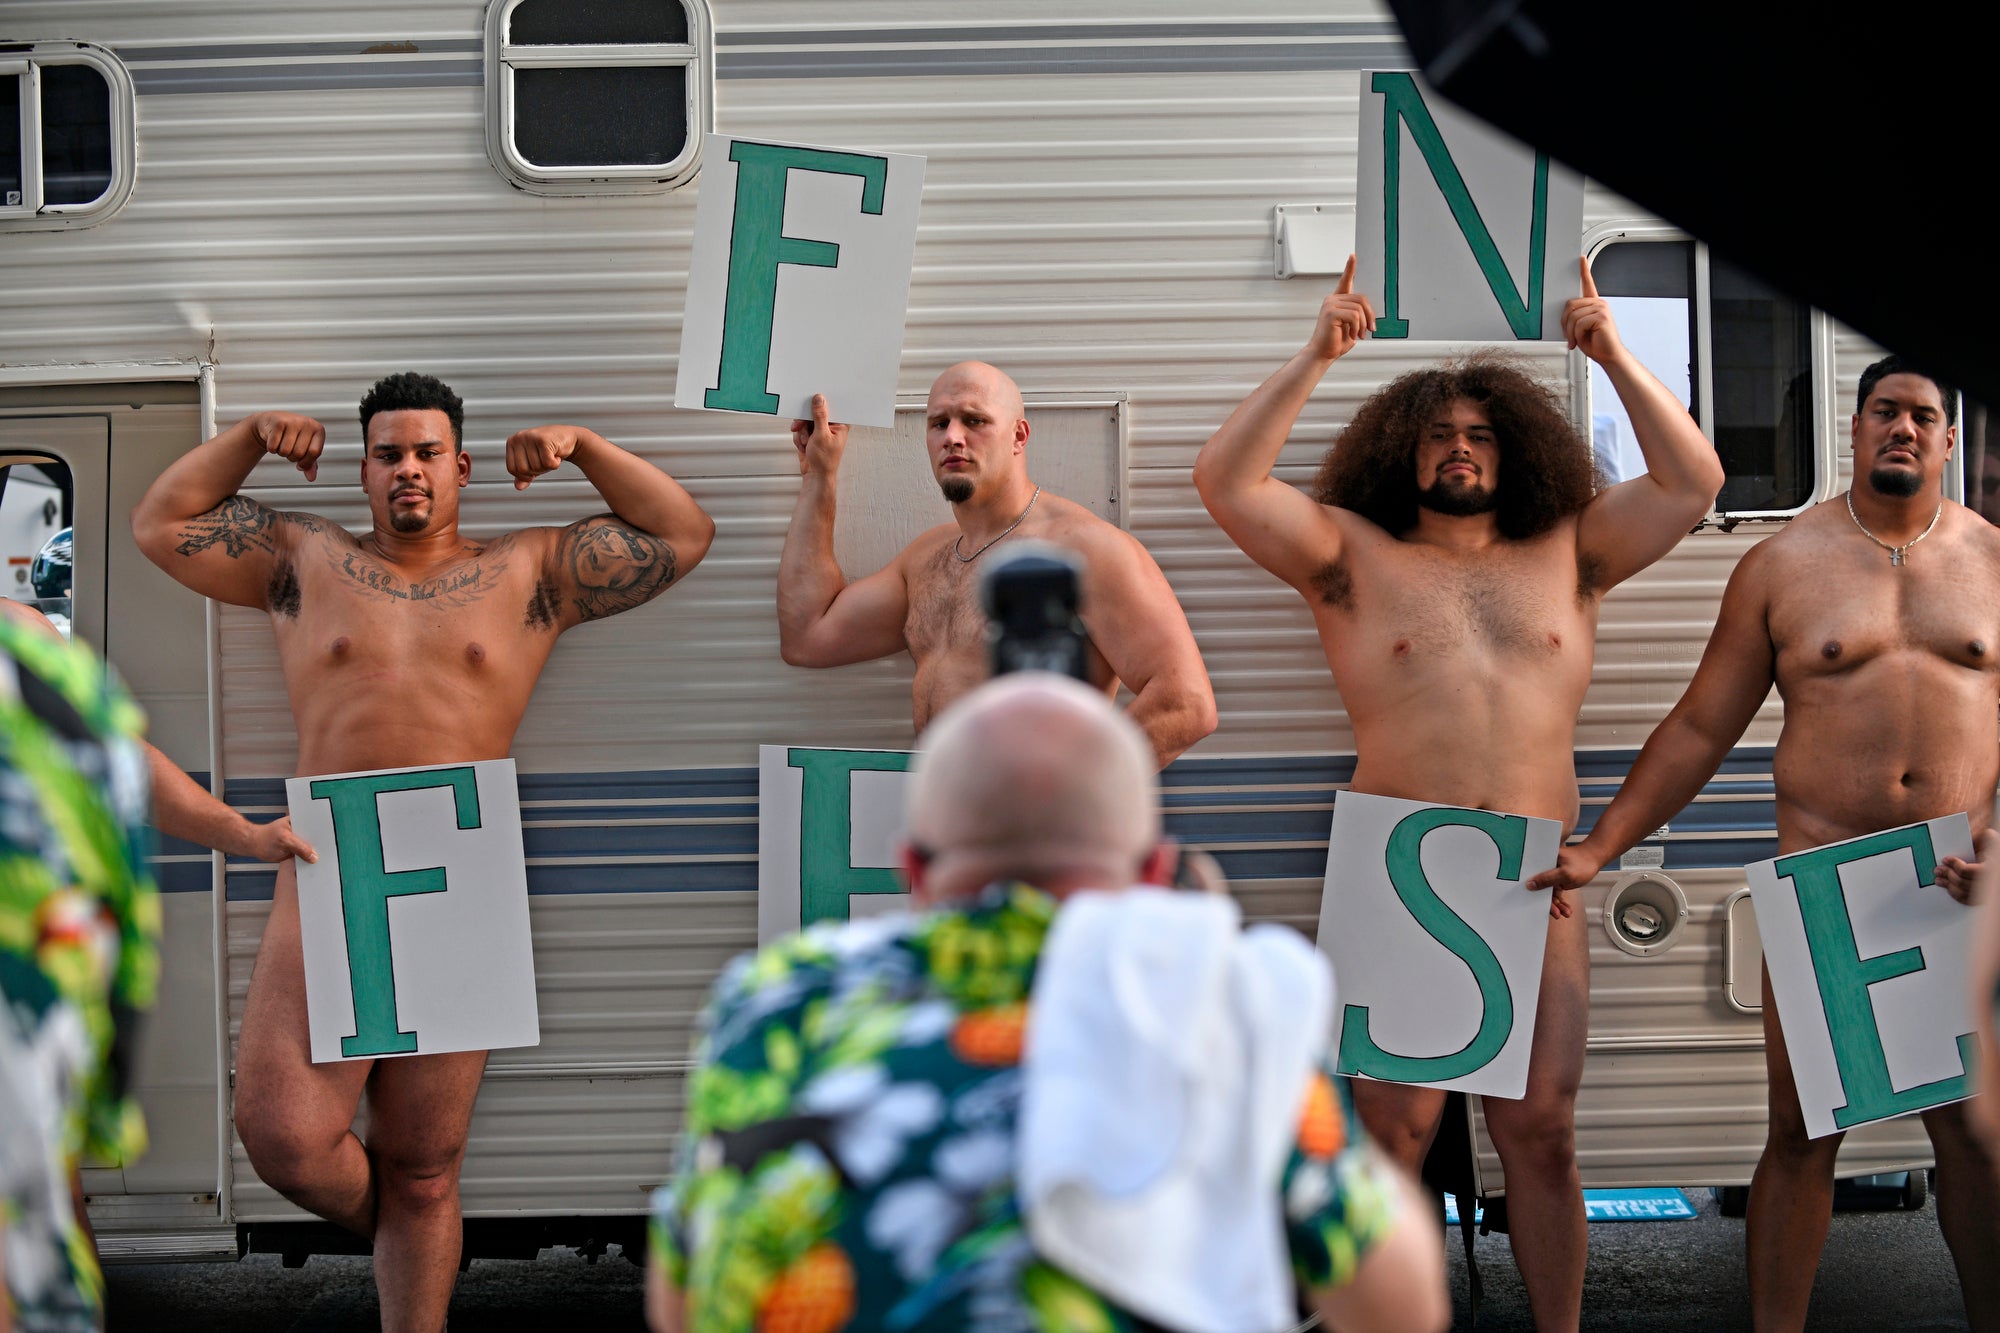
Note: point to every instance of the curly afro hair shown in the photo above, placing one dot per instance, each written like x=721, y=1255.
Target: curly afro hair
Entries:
x=1546, y=468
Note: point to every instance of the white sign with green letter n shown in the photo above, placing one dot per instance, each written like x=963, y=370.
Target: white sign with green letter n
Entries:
x=1460, y=232
x=1868, y=965
x=1436, y=946
x=414, y=921
x=799, y=280
x=829, y=823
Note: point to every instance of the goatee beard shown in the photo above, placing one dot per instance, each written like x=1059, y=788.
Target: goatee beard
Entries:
x=957, y=490
x=1895, y=482
x=1458, y=501
x=404, y=520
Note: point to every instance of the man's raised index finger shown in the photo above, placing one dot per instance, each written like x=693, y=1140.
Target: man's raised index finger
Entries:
x=1346, y=286
x=1589, y=283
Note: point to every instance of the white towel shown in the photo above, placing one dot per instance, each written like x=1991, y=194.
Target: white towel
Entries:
x=1167, y=1058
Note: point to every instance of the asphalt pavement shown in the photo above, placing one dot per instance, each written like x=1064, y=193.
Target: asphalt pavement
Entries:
x=1882, y=1272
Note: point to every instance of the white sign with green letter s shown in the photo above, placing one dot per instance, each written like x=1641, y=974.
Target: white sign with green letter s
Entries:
x=799, y=280
x=828, y=826
x=1867, y=959
x=414, y=921
x=1436, y=947
x=1460, y=232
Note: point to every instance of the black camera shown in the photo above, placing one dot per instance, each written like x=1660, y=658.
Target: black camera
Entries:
x=1031, y=593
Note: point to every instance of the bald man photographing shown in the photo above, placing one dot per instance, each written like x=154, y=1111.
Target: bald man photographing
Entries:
x=851, y=1156
x=926, y=601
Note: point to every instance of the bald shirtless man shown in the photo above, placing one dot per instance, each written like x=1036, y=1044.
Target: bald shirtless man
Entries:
x=1455, y=553
x=1877, y=616
x=408, y=646
x=927, y=600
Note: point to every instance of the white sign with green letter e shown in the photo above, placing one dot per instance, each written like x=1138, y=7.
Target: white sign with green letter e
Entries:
x=414, y=921
x=799, y=280
x=1460, y=232
x=1436, y=946
x=1868, y=964
x=828, y=826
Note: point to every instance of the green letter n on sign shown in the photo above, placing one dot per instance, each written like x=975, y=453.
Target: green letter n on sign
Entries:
x=1403, y=104
x=827, y=873
x=757, y=245
x=1358, y=1052
x=1844, y=977
x=367, y=885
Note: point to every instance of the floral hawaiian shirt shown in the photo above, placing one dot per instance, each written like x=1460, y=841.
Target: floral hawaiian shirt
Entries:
x=79, y=957
x=850, y=1140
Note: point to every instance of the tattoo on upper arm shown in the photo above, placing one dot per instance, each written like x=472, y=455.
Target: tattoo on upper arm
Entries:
x=605, y=566
x=238, y=525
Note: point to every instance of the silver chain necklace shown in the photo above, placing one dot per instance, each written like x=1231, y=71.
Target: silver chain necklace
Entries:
x=968, y=559
x=1895, y=552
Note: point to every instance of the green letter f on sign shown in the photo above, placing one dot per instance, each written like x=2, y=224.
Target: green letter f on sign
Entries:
x=366, y=886
x=757, y=245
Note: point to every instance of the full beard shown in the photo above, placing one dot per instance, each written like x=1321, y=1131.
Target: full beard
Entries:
x=957, y=490
x=1458, y=501
x=1895, y=482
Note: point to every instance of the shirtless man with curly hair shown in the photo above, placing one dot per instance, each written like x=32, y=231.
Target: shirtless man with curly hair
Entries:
x=1455, y=552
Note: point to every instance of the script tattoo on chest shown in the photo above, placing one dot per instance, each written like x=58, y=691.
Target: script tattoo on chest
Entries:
x=605, y=565
x=461, y=585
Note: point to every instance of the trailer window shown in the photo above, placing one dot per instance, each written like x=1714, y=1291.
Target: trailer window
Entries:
x=1736, y=352
x=1980, y=443
x=66, y=132
x=36, y=499
x=598, y=96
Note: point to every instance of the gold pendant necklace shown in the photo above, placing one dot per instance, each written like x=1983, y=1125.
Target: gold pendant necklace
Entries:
x=1895, y=552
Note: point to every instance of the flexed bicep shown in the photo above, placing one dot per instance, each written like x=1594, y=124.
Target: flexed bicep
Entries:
x=600, y=566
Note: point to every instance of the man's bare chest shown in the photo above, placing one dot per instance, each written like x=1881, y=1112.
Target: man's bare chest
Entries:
x=1825, y=624
x=342, y=585
x=945, y=615
x=1434, y=605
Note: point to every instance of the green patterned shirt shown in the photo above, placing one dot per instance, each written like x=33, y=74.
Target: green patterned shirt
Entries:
x=849, y=1149
x=79, y=957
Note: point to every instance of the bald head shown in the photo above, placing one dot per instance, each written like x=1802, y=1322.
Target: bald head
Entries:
x=1035, y=777
x=990, y=385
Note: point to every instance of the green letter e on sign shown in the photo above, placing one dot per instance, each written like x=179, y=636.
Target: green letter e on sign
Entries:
x=366, y=885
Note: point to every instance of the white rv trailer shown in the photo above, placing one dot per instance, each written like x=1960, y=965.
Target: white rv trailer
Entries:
x=285, y=201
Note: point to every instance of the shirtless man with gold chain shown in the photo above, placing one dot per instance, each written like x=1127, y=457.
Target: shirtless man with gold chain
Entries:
x=405, y=647
x=927, y=600
x=1877, y=616
x=1455, y=552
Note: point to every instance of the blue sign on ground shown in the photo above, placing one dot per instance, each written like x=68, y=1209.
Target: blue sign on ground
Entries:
x=1650, y=1205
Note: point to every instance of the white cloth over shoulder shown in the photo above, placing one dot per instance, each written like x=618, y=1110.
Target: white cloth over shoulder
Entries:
x=1168, y=1053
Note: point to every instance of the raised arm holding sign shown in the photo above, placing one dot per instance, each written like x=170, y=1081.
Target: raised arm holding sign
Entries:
x=1877, y=617
x=1454, y=551
x=926, y=600
x=409, y=646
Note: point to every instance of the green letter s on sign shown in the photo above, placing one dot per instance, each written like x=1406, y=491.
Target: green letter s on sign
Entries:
x=366, y=885
x=757, y=245
x=1358, y=1052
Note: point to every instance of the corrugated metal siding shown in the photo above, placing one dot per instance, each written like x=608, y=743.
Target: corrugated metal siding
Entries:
x=1091, y=234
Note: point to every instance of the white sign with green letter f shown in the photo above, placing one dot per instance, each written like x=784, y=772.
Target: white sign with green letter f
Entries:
x=414, y=920
x=799, y=280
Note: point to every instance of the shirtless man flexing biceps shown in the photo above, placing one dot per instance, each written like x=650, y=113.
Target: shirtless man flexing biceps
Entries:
x=1455, y=553
x=927, y=599
x=1877, y=616
x=409, y=646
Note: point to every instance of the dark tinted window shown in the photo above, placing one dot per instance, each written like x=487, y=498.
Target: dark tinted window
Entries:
x=1981, y=446
x=602, y=116
x=10, y=139
x=583, y=22
x=1762, y=358
x=76, y=134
